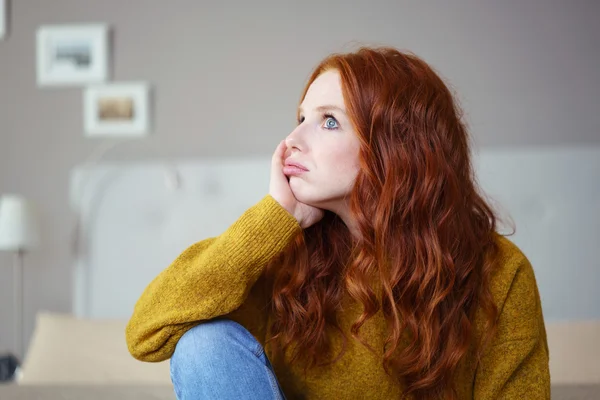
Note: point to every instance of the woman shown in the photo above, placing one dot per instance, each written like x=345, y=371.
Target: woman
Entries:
x=371, y=269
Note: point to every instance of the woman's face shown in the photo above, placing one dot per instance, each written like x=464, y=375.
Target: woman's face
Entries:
x=325, y=146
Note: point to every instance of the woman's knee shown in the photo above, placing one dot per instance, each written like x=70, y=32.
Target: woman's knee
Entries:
x=214, y=338
x=221, y=359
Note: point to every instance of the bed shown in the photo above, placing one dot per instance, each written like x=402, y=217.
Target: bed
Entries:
x=134, y=218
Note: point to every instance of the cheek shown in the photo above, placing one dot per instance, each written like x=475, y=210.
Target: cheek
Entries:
x=344, y=164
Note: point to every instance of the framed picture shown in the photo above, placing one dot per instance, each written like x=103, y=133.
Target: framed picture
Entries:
x=3, y=18
x=72, y=55
x=119, y=109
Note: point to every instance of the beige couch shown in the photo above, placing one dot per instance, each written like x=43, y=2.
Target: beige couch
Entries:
x=67, y=351
x=574, y=352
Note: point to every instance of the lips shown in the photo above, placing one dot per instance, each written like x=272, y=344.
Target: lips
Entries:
x=293, y=168
x=296, y=165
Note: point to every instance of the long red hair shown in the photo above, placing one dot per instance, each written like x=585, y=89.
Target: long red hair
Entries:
x=426, y=234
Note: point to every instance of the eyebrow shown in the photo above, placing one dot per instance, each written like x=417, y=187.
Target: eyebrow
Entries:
x=324, y=108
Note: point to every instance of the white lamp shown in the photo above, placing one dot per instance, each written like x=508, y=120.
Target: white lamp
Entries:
x=19, y=232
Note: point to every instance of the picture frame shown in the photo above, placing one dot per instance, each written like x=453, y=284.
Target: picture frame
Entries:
x=3, y=19
x=117, y=109
x=72, y=55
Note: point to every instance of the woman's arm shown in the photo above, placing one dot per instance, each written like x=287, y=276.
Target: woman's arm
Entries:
x=212, y=278
x=516, y=366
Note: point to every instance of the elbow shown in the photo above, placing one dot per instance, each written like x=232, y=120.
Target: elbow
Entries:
x=135, y=343
x=143, y=346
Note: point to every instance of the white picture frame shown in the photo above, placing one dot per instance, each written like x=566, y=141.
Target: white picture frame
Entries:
x=117, y=109
x=72, y=55
x=3, y=19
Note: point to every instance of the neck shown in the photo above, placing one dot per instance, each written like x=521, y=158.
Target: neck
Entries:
x=349, y=221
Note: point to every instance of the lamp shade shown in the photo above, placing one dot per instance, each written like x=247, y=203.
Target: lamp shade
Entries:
x=19, y=229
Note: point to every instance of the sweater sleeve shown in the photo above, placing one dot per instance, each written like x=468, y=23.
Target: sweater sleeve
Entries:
x=213, y=278
x=516, y=366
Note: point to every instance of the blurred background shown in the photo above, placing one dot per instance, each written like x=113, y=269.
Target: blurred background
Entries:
x=222, y=81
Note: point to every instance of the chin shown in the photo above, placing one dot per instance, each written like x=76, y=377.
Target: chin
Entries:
x=304, y=192
x=308, y=194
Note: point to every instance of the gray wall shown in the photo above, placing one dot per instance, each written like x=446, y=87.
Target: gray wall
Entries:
x=227, y=80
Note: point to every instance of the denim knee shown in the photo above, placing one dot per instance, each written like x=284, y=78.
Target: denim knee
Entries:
x=221, y=359
x=211, y=342
x=213, y=337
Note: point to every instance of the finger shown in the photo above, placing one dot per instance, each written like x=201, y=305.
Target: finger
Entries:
x=277, y=163
x=280, y=152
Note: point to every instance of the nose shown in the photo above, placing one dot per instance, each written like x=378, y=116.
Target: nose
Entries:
x=293, y=141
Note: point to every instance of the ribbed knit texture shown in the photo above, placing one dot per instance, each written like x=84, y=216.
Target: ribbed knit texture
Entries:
x=217, y=278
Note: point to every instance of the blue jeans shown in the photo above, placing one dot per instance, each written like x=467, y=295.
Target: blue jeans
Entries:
x=220, y=359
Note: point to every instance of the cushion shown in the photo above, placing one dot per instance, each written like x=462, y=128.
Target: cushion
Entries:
x=67, y=349
x=574, y=351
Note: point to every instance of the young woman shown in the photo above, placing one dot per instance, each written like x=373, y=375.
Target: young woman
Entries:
x=372, y=269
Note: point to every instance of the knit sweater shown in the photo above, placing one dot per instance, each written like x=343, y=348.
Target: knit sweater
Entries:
x=217, y=277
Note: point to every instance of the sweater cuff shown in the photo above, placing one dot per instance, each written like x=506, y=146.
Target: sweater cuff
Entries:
x=263, y=231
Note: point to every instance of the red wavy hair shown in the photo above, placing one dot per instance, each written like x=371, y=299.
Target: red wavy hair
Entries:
x=426, y=234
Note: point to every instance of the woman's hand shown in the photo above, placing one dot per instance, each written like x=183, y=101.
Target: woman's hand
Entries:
x=279, y=189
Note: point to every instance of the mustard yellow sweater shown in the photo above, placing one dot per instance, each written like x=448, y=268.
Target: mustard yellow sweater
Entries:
x=215, y=277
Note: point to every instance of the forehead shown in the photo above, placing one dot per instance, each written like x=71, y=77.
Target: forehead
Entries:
x=326, y=89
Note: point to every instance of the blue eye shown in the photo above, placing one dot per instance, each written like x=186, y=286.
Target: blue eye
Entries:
x=330, y=123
